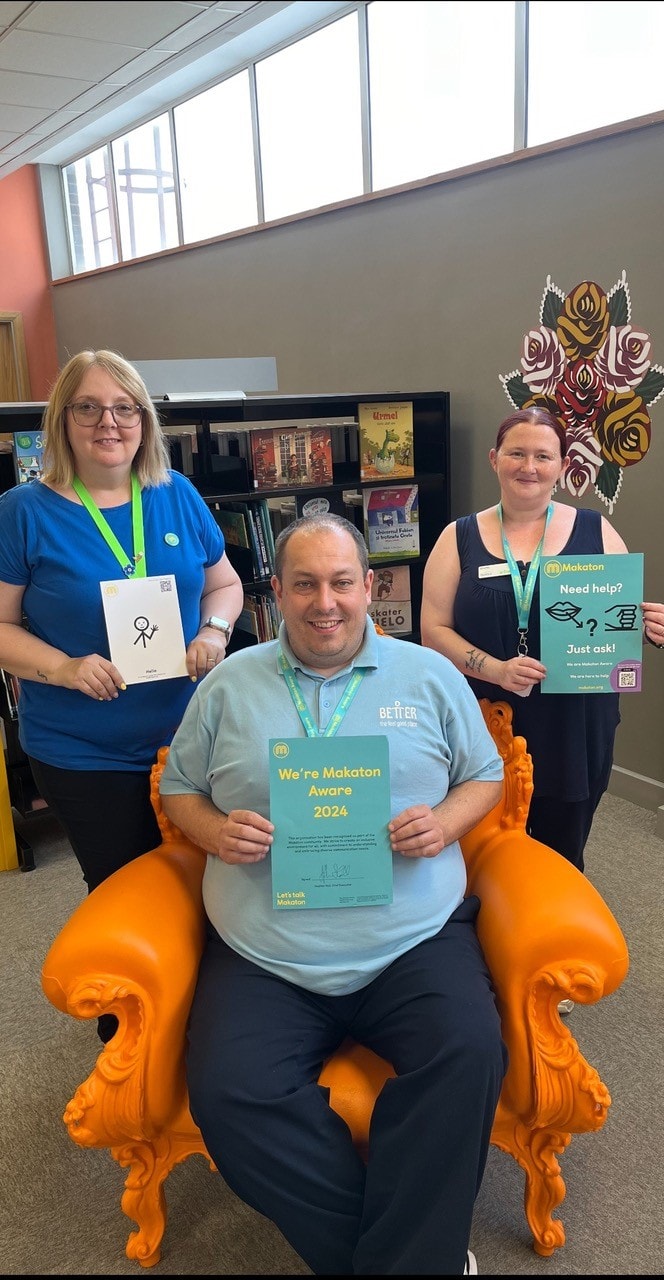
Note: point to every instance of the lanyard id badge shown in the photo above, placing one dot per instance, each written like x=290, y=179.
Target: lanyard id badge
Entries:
x=523, y=592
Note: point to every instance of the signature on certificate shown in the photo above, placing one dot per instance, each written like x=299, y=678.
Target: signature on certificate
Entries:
x=335, y=871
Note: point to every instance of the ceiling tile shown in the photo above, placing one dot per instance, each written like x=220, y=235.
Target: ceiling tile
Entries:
x=20, y=118
x=141, y=22
x=62, y=55
x=37, y=91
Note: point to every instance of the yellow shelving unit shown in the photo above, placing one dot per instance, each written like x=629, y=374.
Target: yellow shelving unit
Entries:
x=8, y=849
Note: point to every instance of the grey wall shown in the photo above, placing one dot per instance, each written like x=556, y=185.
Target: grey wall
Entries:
x=427, y=289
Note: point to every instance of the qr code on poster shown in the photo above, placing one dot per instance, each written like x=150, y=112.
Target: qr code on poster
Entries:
x=627, y=678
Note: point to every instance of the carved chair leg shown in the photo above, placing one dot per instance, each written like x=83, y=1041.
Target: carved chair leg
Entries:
x=143, y=1199
x=535, y=1151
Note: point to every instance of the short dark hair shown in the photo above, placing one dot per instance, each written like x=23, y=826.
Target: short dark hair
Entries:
x=320, y=522
x=537, y=417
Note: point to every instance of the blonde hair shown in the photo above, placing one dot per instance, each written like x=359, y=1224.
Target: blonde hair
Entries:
x=152, y=461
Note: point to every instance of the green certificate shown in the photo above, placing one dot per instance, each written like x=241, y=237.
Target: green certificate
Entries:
x=330, y=805
x=591, y=623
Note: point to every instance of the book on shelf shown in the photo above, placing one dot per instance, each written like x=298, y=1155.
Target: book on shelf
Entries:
x=230, y=440
x=233, y=525
x=260, y=615
x=265, y=539
x=28, y=455
x=391, y=521
x=261, y=566
x=268, y=524
x=320, y=504
x=245, y=509
x=390, y=605
x=12, y=692
x=282, y=512
x=291, y=454
x=247, y=619
x=386, y=440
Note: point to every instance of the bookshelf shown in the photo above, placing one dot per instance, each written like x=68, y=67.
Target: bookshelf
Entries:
x=23, y=795
x=225, y=449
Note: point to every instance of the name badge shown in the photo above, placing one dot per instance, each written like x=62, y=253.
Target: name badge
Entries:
x=493, y=570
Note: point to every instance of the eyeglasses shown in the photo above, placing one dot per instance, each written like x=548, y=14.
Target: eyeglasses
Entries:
x=87, y=413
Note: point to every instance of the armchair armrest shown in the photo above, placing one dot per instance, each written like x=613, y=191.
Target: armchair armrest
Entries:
x=541, y=947
x=132, y=948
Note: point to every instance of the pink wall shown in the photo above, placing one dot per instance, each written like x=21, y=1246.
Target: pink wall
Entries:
x=24, y=276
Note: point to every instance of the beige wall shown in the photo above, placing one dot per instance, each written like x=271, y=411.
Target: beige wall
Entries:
x=427, y=289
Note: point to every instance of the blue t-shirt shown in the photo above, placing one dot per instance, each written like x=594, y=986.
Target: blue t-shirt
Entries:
x=437, y=738
x=52, y=547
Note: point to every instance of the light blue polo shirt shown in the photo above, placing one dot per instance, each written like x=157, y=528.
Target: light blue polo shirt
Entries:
x=437, y=739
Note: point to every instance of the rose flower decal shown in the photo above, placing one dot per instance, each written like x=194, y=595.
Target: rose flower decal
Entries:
x=592, y=368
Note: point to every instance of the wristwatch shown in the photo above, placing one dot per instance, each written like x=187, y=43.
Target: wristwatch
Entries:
x=218, y=624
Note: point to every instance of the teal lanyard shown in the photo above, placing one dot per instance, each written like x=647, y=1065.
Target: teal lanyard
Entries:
x=302, y=708
x=523, y=592
x=131, y=565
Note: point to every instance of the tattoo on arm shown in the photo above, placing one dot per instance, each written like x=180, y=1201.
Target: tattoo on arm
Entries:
x=475, y=660
x=42, y=676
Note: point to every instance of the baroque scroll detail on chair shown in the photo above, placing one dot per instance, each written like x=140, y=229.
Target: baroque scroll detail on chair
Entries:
x=132, y=948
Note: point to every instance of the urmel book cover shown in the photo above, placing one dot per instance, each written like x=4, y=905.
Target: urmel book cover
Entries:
x=386, y=440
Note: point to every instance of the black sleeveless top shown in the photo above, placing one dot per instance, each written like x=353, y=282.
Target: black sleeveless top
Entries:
x=569, y=735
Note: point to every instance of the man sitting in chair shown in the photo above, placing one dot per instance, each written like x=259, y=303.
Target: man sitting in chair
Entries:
x=280, y=989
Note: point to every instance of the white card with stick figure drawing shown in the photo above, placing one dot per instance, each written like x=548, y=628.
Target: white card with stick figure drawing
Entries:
x=144, y=628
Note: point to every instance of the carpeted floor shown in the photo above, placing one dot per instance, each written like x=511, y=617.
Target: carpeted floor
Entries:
x=60, y=1209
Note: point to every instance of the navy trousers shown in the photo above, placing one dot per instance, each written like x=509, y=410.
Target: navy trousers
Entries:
x=256, y=1047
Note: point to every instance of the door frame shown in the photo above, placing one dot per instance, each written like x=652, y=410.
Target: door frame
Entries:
x=14, y=375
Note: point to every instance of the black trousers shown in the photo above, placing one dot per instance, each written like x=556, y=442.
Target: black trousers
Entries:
x=107, y=815
x=256, y=1046
x=565, y=824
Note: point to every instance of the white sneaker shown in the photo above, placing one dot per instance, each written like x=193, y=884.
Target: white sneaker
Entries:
x=565, y=1007
x=470, y=1268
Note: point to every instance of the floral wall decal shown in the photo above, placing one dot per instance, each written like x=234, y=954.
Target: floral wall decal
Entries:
x=592, y=368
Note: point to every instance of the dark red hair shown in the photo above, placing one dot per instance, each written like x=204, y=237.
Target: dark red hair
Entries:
x=537, y=418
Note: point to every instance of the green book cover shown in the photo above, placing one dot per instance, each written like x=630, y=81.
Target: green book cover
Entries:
x=233, y=525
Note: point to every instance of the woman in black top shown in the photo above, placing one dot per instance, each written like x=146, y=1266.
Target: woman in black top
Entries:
x=470, y=614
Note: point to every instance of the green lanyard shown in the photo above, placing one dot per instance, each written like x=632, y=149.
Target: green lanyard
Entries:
x=132, y=566
x=302, y=708
x=523, y=594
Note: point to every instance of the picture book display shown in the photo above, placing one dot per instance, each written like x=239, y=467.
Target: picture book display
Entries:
x=28, y=452
x=390, y=605
x=233, y=525
x=299, y=454
x=386, y=440
x=391, y=521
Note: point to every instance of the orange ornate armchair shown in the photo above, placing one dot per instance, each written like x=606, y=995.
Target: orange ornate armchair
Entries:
x=133, y=946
